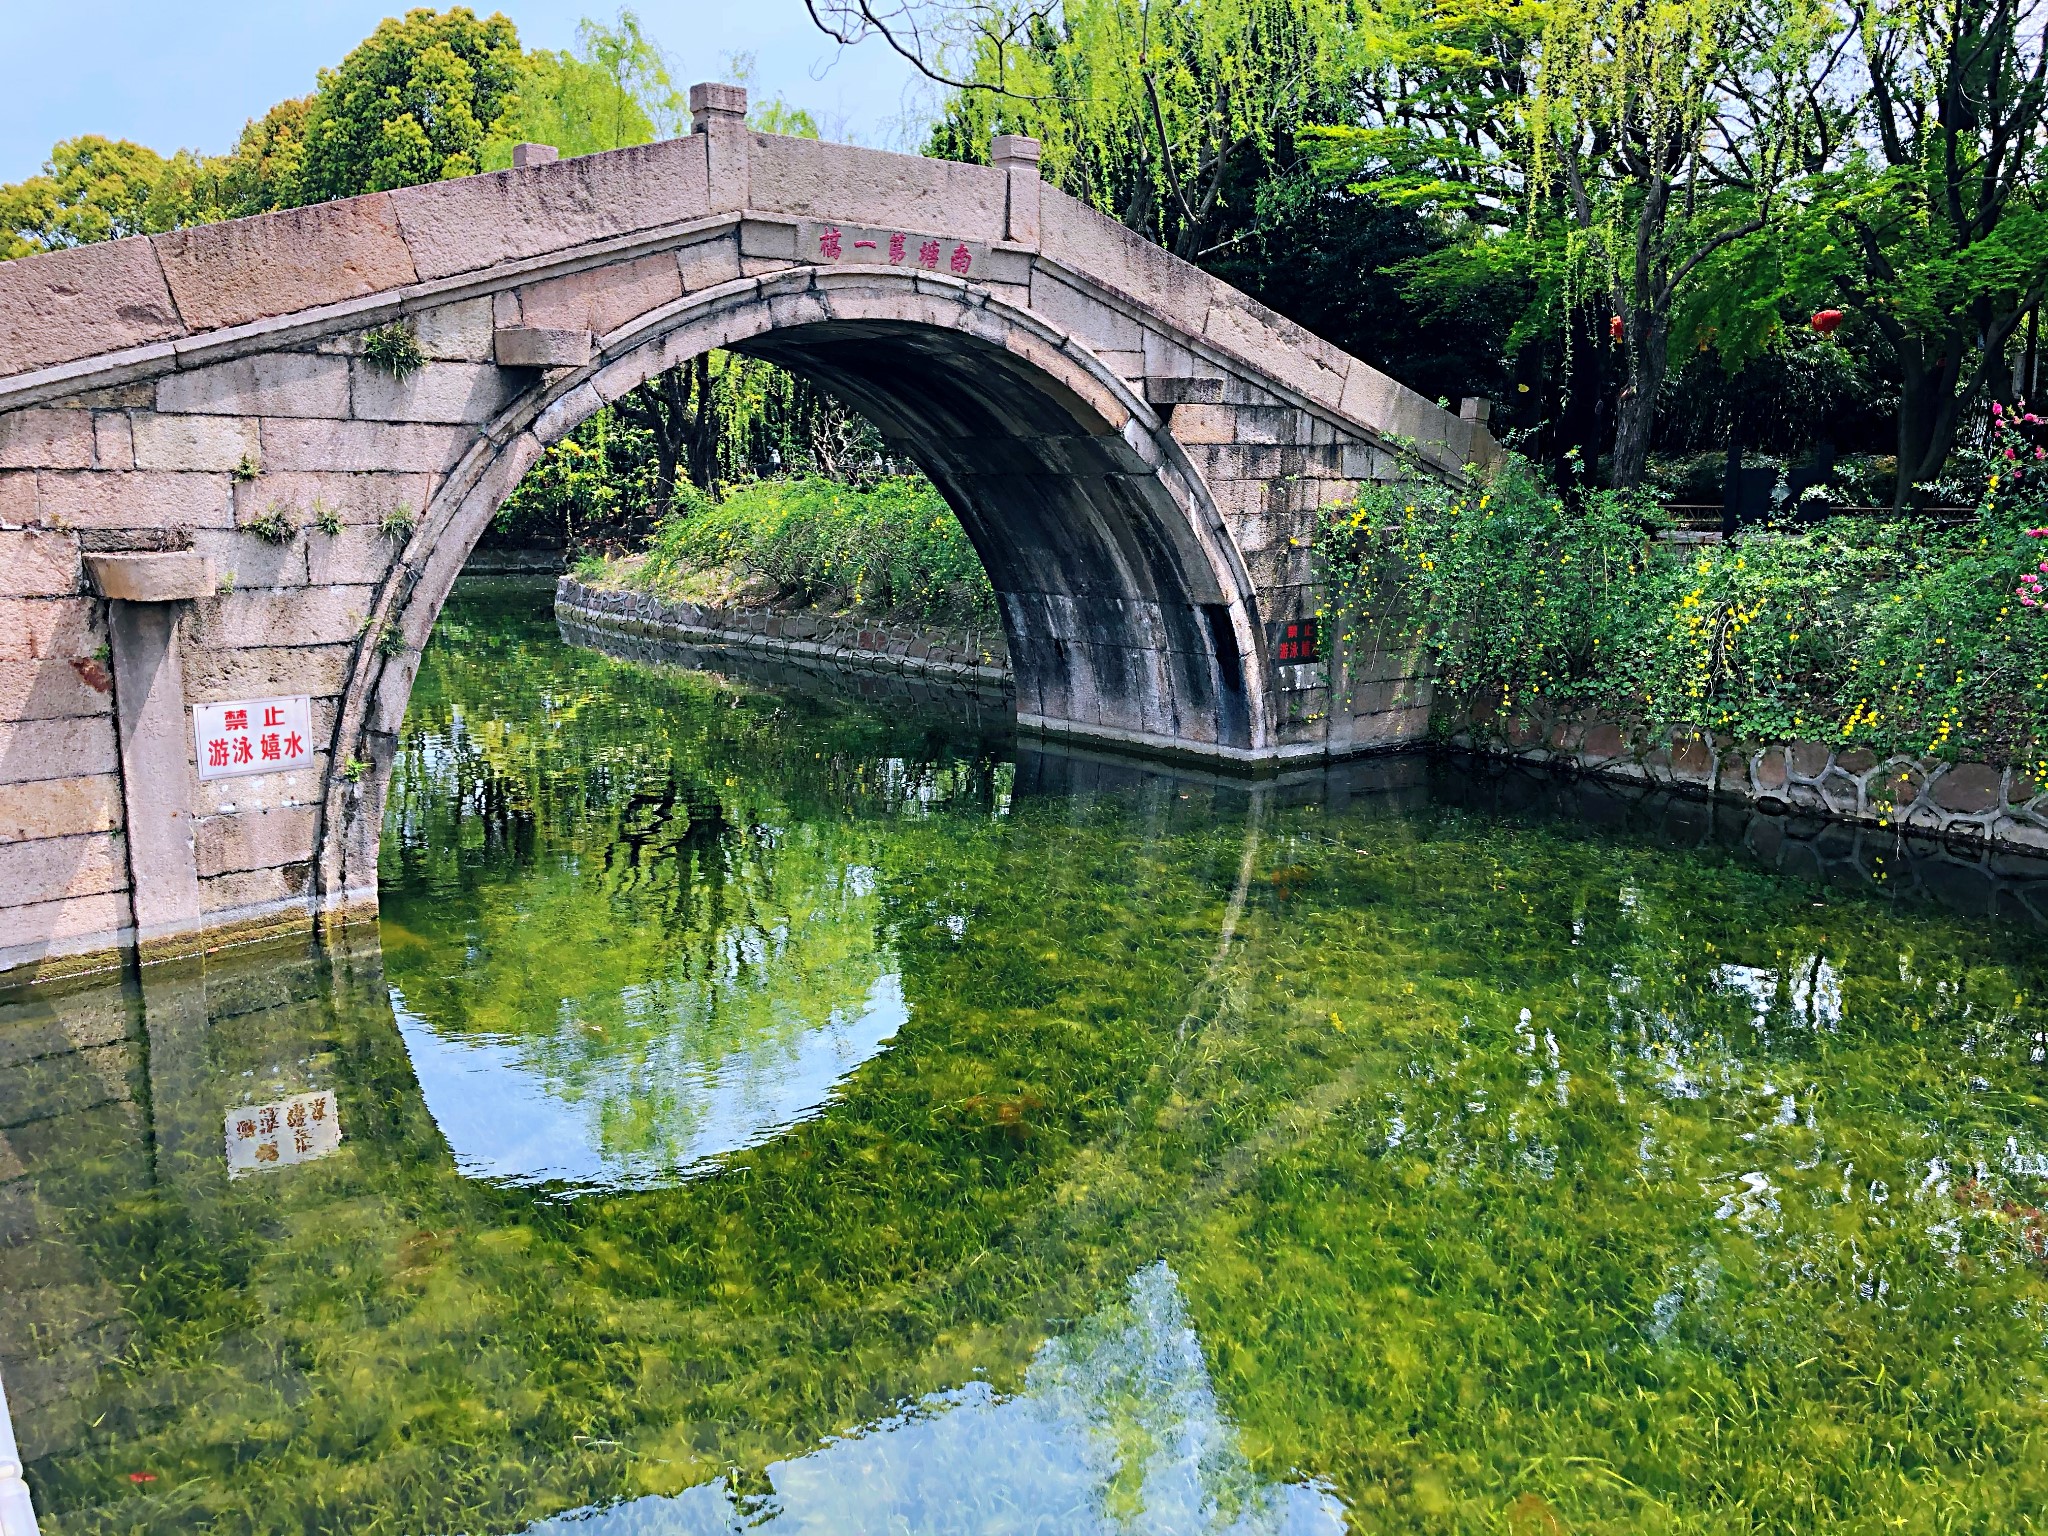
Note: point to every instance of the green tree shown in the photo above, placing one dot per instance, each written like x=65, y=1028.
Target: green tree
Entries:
x=266, y=168
x=1934, y=227
x=614, y=90
x=414, y=102
x=1161, y=113
x=1666, y=133
x=94, y=188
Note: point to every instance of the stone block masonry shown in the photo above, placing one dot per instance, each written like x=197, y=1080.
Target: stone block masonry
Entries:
x=1138, y=451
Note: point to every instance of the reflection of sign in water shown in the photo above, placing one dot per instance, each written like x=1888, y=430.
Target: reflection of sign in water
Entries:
x=252, y=736
x=293, y=1130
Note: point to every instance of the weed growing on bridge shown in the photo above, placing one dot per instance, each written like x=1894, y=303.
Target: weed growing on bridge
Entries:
x=398, y=524
x=395, y=349
x=274, y=526
x=326, y=519
x=246, y=469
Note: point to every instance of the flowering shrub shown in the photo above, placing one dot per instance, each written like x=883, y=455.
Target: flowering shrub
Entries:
x=1900, y=635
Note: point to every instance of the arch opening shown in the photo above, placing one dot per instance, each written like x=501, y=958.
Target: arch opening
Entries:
x=1112, y=618
x=1128, y=615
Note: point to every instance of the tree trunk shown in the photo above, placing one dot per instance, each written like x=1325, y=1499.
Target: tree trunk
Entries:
x=660, y=407
x=1648, y=336
x=704, y=430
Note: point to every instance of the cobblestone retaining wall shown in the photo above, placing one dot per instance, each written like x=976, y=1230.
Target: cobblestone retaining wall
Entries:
x=1989, y=803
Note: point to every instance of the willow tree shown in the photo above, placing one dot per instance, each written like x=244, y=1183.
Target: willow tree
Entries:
x=1160, y=113
x=1660, y=133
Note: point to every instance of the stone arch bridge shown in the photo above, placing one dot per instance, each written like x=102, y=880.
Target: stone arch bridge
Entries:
x=1135, y=448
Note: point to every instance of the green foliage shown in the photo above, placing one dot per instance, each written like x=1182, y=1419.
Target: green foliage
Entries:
x=395, y=349
x=1902, y=636
x=274, y=526
x=414, y=102
x=613, y=91
x=426, y=97
x=246, y=469
x=590, y=481
x=397, y=524
x=96, y=189
x=606, y=478
x=1157, y=114
x=325, y=518
x=893, y=548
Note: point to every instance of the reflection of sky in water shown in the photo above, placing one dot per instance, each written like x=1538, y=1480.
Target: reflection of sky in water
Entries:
x=506, y=1118
x=1117, y=1430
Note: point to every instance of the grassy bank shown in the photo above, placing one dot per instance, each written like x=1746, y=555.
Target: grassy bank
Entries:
x=1902, y=636
x=893, y=549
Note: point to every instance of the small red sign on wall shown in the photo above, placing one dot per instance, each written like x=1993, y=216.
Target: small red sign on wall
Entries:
x=1296, y=641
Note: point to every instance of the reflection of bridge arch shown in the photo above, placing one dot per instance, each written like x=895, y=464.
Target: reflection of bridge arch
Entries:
x=1136, y=450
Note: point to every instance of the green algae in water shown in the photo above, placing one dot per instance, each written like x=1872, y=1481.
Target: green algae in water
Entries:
x=772, y=1109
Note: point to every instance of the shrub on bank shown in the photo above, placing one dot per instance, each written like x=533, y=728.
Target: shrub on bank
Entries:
x=891, y=548
x=1904, y=635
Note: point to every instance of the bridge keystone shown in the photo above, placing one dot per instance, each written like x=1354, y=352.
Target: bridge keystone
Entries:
x=533, y=346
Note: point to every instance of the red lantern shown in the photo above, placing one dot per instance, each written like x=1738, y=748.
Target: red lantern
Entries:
x=1825, y=321
x=1614, y=328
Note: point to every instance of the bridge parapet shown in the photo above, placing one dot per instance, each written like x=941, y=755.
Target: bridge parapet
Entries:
x=1138, y=450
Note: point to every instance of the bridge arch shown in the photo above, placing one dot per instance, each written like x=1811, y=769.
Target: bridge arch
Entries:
x=1128, y=610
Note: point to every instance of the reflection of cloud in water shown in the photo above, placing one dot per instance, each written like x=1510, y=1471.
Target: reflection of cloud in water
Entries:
x=1117, y=1431
x=504, y=1118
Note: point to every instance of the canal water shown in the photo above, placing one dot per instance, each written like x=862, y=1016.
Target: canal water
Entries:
x=759, y=1108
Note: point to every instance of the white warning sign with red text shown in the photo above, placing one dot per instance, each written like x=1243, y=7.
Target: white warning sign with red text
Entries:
x=252, y=736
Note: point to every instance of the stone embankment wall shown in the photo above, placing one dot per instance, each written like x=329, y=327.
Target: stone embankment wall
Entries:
x=1993, y=804
x=844, y=640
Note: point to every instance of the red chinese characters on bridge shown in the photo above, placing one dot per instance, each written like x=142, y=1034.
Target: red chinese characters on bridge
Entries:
x=837, y=243
x=253, y=736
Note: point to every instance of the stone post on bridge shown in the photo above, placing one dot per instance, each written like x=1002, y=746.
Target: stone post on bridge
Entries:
x=719, y=112
x=1017, y=158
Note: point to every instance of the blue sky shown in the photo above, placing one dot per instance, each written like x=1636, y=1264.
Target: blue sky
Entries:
x=188, y=76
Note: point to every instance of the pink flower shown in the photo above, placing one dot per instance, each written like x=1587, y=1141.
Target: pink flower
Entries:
x=1997, y=409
